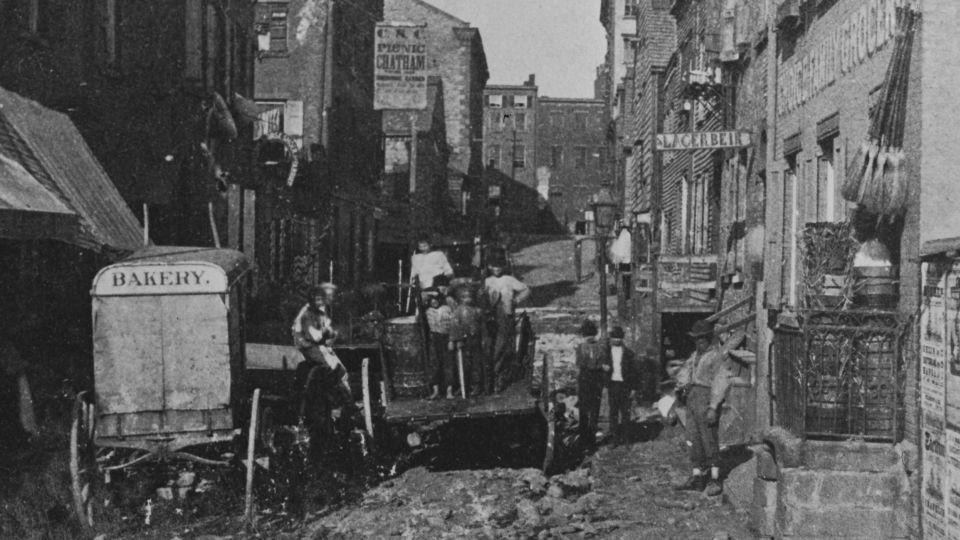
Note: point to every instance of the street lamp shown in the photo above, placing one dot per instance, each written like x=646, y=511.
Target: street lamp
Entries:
x=604, y=211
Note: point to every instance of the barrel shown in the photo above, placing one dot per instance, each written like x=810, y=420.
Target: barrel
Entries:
x=876, y=286
x=404, y=357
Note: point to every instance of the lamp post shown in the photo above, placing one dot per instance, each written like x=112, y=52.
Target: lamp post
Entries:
x=604, y=211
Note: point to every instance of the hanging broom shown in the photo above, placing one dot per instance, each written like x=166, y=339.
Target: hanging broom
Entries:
x=895, y=180
x=861, y=167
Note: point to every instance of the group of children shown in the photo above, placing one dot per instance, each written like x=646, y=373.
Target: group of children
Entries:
x=457, y=333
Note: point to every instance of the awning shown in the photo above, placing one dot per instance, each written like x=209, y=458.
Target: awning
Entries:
x=49, y=147
x=28, y=211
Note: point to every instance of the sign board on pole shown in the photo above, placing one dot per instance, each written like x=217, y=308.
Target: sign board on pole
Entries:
x=400, y=67
x=702, y=140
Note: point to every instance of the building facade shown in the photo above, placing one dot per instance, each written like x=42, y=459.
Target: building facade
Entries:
x=314, y=92
x=572, y=157
x=154, y=91
x=457, y=56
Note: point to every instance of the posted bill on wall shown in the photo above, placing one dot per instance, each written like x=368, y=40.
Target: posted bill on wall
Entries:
x=952, y=489
x=933, y=345
x=952, y=333
x=935, y=471
x=400, y=67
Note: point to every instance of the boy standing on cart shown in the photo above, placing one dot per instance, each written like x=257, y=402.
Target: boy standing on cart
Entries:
x=503, y=293
x=467, y=331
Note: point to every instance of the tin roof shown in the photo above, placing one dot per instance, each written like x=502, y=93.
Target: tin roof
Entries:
x=28, y=210
x=232, y=262
x=48, y=145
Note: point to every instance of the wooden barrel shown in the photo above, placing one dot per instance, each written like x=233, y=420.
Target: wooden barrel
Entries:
x=876, y=286
x=404, y=359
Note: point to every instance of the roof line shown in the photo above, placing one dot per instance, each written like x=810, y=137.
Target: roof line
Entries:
x=441, y=12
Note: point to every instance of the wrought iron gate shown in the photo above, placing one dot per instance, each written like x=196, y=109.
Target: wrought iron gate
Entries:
x=840, y=375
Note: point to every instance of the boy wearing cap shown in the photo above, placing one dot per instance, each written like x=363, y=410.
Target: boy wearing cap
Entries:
x=624, y=381
x=705, y=380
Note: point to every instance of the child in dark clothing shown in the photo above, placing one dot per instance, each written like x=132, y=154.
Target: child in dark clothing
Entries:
x=467, y=331
x=439, y=316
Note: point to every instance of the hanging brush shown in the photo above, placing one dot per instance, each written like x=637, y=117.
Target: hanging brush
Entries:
x=895, y=180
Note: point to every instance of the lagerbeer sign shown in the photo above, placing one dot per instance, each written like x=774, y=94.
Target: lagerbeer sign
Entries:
x=400, y=67
x=702, y=140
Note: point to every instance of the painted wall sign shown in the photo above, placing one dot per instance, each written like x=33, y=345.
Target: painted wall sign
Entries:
x=400, y=67
x=702, y=140
x=157, y=279
x=829, y=56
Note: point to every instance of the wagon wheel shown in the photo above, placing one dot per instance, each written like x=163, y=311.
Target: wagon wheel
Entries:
x=85, y=474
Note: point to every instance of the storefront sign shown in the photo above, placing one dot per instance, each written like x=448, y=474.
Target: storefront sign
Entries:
x=703, y=140
x=400, y=67
x=154, y=279
x=857, y=37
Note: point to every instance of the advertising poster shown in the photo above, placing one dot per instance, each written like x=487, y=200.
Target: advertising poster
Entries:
x=400, y=67
x=934, y=480
x=933, y=345
x=952, y=320
x=953, y=483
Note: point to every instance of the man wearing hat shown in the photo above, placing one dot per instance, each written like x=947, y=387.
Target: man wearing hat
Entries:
x=625, y=380
x=704, y=379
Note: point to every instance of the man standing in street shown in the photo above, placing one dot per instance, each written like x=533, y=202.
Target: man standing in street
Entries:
x=704, y=381
x=593, y=362
x=625, y=381
x=503, y=293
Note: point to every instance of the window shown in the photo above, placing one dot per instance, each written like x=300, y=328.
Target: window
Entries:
x=520, y=120
x=556, y=156
x=493, y=156
x=629, y=8
x=580, y=157
x=601, y=156
x=826, y=181
x=495, y=101
x=521, y=102
x=519, y=156
x=272, y=17
x=494, y=121
x=580, y=121
x=107, y=24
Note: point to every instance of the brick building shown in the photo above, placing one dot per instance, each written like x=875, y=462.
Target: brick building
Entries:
x=428, y=208
x=571, y=153
x=314, y=91
x=515, y=188
x=458, y=58
x=510, y=130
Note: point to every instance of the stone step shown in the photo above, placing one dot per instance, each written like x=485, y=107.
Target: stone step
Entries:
x=842, y=504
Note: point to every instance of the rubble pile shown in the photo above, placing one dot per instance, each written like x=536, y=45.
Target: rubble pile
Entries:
x=497, y=503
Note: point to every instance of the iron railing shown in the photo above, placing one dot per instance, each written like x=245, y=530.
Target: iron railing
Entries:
x=840, y=374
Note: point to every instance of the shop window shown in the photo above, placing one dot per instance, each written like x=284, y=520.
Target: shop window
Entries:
x=519, y=156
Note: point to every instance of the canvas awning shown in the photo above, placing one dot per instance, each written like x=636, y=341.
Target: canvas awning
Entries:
x=50, y=148
x=28, y=211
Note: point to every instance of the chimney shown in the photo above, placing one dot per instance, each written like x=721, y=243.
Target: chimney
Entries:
x=532, y=80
